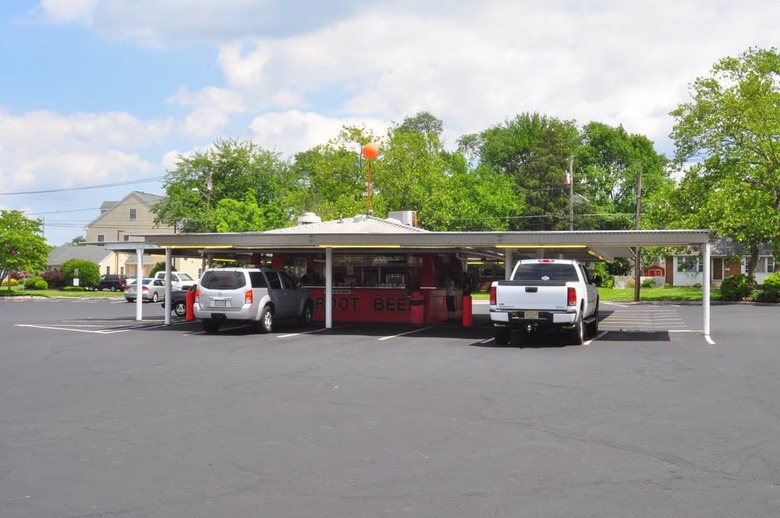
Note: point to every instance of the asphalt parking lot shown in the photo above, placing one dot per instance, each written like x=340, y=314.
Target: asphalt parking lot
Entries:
x=101, y=415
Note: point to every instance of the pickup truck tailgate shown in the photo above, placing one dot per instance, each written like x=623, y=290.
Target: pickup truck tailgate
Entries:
x=524, y=295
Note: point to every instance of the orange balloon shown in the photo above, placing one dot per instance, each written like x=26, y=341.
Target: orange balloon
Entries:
x=370, y=151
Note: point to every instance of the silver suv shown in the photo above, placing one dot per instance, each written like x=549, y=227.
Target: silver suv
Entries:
x=255, y=295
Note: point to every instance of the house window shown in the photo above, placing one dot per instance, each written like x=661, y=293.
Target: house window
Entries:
x=689, y=265
x=133, y=214
x=101, y=238
x=765, y=265
x=127, y=238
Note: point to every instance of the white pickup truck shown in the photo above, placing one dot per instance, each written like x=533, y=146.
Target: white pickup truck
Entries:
x=545, y=293
x=179, y=280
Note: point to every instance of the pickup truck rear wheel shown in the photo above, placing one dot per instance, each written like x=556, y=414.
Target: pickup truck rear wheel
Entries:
x=502, y=335
x=593, y=327
x=578, y=335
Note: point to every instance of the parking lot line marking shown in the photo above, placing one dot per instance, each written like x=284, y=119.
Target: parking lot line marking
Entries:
x=403, y=334
x=302, y=333
x=63, y=328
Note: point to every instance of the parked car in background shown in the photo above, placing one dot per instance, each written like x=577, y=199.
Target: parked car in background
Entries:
x=179, y=280
x=152, y=290
x=254, y=295
x=179, y=301
x=112, y=282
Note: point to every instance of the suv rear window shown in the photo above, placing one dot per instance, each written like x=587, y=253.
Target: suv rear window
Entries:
x=227, y=280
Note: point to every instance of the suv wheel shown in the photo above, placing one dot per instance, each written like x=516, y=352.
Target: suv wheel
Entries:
x=307, y=315
x=210, y=326
x=266, y=323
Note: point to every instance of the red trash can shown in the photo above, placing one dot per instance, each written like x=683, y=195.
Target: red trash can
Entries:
x=468, y=320
x=189, y=301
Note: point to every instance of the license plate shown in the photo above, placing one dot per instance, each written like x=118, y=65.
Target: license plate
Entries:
x=531, y=314
x=220, y=303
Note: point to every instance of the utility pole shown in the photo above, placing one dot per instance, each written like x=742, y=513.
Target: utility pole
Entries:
x=571, y=194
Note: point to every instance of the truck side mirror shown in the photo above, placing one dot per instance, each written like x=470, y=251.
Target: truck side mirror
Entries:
x=596, y=280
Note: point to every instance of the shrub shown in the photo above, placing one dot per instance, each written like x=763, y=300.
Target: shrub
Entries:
x=764, y=296
x=648, y=283
x=772, y=283
x=72, y=288
x=55, y=279
x=36, y=283
x=89, y=273
x=736, y=287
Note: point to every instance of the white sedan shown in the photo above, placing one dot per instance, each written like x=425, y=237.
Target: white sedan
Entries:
x=152, y=290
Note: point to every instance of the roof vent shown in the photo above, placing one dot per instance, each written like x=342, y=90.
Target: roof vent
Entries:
x=308, y=218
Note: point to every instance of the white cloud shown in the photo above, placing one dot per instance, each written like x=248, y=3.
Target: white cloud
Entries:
x=65, y=11
x=294, y=131
x=45, y=150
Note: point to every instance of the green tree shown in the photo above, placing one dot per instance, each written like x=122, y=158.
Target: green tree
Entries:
x=332, y=178
x=228, y=170
x=607, y=169
x=78, y=241
x=533, y=151
x=411, y=173
x=22, y=245
x=88, y=273
x=732, y=126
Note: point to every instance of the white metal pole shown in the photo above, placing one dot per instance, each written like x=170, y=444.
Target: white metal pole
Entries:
x=168, y=256
x=139, y=275
x=508, y=266
x=706, y=291
x=328, y=288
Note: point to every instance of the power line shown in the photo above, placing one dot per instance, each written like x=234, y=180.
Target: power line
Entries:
x=83, y=188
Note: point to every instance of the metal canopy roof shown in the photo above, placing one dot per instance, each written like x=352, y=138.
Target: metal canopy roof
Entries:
x=584, y=245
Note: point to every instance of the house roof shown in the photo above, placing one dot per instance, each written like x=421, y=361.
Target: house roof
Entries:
x=61, y=254
x=107, y=206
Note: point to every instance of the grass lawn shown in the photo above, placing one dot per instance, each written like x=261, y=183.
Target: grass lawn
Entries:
x=18, y=292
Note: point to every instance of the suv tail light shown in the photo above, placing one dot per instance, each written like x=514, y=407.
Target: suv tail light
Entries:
x=492, y=295
x=572, y=297
x=249, y=297
x=197, y=295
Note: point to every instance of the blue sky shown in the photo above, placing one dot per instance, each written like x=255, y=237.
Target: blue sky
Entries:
x=109, y=92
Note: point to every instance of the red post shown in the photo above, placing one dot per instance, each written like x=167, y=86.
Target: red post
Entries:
x=467, y=314
x=189, y=301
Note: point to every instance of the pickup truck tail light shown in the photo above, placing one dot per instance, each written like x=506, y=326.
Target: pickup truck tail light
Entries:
x=571, y=294
x=249, y=297
x=492, y=295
